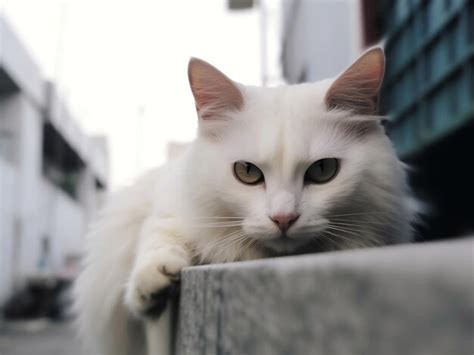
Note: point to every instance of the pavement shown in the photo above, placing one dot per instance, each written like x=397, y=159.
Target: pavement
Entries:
x=38, y=337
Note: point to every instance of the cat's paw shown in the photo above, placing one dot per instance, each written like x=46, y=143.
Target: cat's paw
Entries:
x=154, y=280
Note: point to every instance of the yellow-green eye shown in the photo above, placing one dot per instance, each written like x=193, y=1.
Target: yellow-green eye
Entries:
x=247, y=173
x=322, y=171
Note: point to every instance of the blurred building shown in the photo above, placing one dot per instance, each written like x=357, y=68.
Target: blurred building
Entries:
x=320, y=38
x=52, y=175
x=428, y=94
x=428, y=91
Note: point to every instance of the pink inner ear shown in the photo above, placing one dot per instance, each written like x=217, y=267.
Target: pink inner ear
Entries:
x=357, y=89
x=213, y=92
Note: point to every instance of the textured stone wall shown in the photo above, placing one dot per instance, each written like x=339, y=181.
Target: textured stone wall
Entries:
x=410, y=300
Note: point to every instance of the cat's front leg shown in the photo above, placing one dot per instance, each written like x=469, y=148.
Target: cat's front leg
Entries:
x=159, y=259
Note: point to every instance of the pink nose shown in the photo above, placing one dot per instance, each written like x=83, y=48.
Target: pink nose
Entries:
x=284, y=221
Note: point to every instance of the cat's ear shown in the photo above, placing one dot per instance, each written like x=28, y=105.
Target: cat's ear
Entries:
x=357, y=89
x=214, y=93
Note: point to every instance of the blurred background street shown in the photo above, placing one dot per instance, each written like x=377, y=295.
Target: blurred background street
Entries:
x=94, y=93
x=39, y=337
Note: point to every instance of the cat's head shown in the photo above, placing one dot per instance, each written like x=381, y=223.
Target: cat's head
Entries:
x=295, y=163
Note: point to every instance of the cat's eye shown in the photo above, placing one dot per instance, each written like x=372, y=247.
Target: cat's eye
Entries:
x=248, y=173
x=322, y=171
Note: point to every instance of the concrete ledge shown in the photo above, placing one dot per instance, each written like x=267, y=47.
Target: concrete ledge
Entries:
x=412, y=299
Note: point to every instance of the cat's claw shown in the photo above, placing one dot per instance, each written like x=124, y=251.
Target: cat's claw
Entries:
x=154, y=281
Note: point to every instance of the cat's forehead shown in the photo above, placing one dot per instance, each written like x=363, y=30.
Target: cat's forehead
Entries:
x=285, y=125
x=285, y=102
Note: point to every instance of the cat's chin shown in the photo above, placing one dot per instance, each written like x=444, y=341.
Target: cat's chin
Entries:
x=283, y=245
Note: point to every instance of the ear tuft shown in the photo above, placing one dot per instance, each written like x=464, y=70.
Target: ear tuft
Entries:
x=214, y=93
x=357, y=89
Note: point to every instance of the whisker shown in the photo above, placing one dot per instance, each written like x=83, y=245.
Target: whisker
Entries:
x=354, y=214
x=344, y=230
x=228, y=238
x=361, y=228
x=341, y=236
x=308, y=226
x=217, y=217
x=251, y=244
x=337, y=237
x=352, y=243
x=369, y=227
x=241, y=240
x=218, y=242
x=217, y=225
x=357, y=226
x=358, y=221
x=358, y=232
x=379, y=215
x=232, y=242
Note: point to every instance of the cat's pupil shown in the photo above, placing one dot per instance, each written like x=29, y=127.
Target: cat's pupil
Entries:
x=321, y=166
x=248, y=169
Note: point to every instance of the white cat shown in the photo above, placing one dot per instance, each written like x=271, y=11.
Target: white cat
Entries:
x=273, y=171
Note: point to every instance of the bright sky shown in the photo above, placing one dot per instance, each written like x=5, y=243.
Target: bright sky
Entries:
x=118, y=56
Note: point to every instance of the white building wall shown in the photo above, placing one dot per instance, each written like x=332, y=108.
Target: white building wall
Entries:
x=29, y=175
x=23, y=70
x=10, y=127
x=63, y=223
x=8, y=208
x=32, y=208
x=321, y=38
x=44, y=210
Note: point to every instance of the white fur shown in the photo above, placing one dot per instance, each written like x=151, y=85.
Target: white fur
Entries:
x=169, y=218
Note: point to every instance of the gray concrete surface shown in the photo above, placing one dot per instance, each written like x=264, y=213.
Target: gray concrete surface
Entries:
x=38, y=338
x=411, y=300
